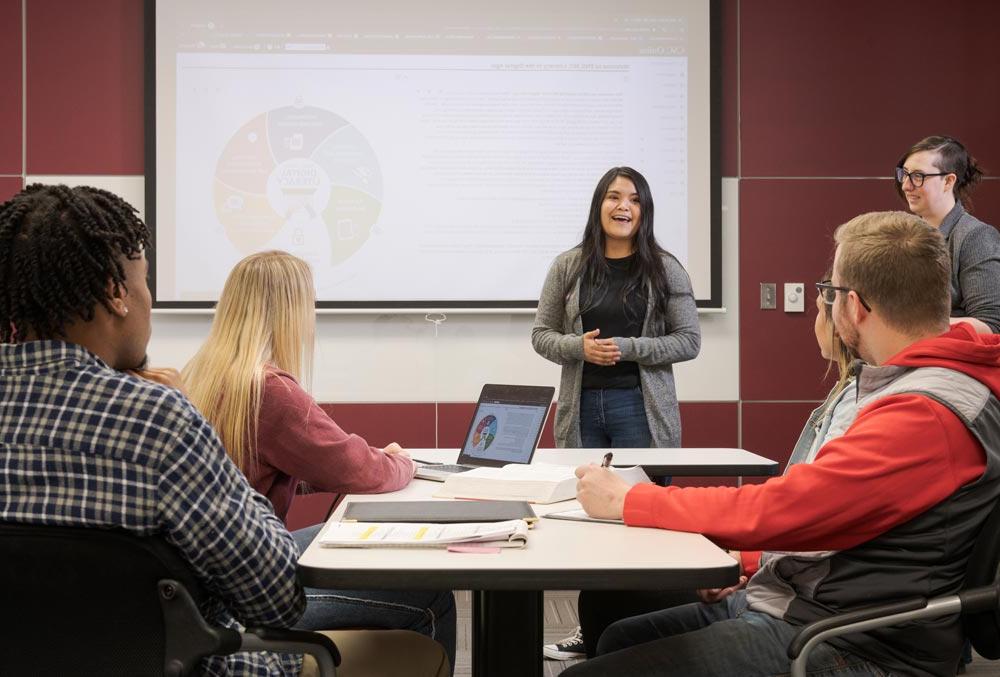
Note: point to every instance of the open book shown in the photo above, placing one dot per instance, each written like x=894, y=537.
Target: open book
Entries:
x=535, y=483
x=509, y=534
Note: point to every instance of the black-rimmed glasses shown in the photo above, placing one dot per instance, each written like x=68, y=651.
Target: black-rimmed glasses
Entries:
x=916, y=178
x=829, y=293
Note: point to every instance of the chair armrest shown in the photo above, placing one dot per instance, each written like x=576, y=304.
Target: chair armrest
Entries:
x=848, y=618
x=976, y=600
x=297, y=636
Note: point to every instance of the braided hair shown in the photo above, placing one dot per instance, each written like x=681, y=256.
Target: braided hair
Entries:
x=59, y=249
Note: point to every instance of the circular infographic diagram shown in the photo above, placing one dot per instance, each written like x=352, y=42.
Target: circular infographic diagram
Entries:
x=485, y=433
x=303, y=173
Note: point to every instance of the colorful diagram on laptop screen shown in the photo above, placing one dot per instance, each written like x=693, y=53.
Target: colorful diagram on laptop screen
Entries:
x=486, y=432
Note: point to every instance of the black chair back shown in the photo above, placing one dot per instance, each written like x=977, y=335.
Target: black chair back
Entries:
x=983, y=628
x=80, y=601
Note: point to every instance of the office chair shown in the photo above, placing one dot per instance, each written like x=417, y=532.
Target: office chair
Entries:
x=978, y=603
x=85, y=601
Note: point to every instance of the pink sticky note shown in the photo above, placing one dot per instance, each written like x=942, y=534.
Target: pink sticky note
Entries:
x=475, y=549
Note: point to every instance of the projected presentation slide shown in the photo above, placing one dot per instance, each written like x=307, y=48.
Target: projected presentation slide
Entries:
x=413, y=155
x=505, y=432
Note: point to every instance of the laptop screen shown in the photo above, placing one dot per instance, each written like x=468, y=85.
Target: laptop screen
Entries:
x=506, y=425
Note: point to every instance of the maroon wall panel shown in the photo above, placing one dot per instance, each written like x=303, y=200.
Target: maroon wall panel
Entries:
x=786, y=235
x=409, y=424
x=771, y=428
x=10, y=76
x=730, y=57
x=709, y=424
x=986, y=198
x=842, y=88
x=9, y=185
x=85, y=87
x=453, y=423
x=309, y=509
x=548, y=439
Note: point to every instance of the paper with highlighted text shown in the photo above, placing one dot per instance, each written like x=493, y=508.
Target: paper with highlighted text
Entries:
x=508, y=534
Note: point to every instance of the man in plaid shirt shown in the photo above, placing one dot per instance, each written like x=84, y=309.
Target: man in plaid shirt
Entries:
x=88, y=439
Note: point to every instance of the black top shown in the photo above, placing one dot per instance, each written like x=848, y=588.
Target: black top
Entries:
x=610, y=316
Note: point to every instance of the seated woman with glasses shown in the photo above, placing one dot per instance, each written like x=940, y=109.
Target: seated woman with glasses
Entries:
x=935, y=177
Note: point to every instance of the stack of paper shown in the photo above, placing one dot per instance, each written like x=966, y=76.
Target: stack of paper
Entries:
x=509, y=534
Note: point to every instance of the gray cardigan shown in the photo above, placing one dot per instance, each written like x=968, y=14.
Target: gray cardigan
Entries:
x=975, y=267
x=557, y=336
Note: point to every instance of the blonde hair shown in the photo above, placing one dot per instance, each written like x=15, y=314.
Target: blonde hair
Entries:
x=264, y=318
x=843, y=357
x=899, y=265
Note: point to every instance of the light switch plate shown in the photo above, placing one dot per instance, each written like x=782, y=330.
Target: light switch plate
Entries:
x=795, y=297
x=768, y=296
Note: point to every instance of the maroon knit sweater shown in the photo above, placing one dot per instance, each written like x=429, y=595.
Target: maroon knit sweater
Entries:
x=297, y=441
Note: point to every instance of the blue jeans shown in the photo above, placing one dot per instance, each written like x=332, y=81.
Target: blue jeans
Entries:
x=613, y=418
x=710, y=640
x=428, y=612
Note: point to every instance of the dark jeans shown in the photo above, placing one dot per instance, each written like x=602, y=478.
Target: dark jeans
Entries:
x=600, y=608
x=710, y=640
x=613, y=418
x=428, y=612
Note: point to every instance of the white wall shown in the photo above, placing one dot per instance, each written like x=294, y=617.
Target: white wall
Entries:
x=406, y=358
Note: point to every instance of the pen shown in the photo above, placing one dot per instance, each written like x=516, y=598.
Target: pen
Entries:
x=607, y=460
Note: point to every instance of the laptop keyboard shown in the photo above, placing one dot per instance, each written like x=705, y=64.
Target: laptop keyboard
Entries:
x=450, y=467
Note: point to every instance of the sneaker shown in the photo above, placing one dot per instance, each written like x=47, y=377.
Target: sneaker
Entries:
x=566, y=649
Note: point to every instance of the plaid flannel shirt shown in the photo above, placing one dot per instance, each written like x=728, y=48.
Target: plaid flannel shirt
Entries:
x=84, y=445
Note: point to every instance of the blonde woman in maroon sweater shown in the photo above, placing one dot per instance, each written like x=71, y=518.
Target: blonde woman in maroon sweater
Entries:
x=246, y=380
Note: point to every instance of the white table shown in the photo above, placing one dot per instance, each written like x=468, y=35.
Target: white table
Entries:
x=684, y=462
x=507, y=600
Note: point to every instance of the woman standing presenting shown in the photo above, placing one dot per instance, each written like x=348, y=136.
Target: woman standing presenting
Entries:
x=935, y=177
x=617, y=311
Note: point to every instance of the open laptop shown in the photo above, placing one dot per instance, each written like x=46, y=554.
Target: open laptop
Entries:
x=505, y=428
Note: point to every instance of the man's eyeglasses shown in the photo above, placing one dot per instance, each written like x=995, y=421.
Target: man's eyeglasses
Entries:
x=829, y=293
x=916, y=178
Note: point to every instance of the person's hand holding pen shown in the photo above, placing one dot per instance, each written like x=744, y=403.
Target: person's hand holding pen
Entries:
x=600, y=491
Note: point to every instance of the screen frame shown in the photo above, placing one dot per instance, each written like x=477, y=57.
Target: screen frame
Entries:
x=533, y=396
x=714, y=300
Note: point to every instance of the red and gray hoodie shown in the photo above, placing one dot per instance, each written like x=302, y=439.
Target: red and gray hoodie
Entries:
x=887, y=511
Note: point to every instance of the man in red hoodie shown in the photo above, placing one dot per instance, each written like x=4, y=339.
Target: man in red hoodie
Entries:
x=888, y=510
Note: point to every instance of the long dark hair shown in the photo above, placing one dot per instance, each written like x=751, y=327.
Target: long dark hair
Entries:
x=648, y=267
x=954, y=159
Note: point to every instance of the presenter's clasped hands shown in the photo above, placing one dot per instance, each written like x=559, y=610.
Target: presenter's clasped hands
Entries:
x=600, y=491
x=604, y=352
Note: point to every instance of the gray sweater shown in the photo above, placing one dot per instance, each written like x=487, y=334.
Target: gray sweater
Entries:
x=975, y=267
x=557, y=336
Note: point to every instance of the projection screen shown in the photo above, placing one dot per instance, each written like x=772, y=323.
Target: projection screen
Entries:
x=436, y=154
